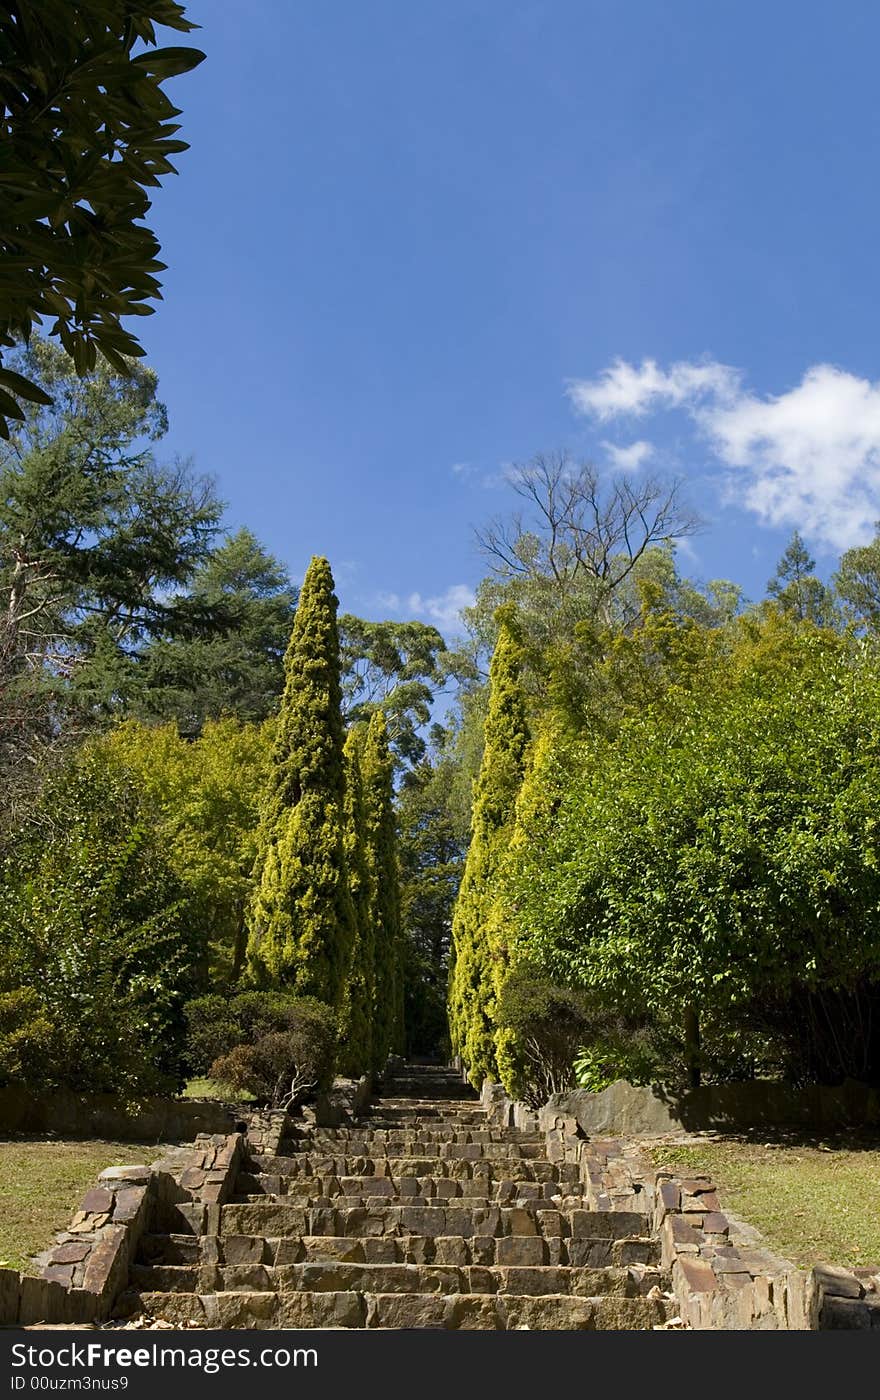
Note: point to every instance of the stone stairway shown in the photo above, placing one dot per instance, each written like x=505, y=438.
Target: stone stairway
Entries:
x=421, y=1215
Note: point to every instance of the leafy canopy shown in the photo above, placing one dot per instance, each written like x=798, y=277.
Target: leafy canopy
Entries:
x=86, y=130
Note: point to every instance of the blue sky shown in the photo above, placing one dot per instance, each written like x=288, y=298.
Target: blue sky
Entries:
x=415, y=242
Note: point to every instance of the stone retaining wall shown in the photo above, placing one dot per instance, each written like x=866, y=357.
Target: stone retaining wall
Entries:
x=88, y=1266
x=105, y=1115
x=846, y=1299
x=722, y=1275
x=625, y=1109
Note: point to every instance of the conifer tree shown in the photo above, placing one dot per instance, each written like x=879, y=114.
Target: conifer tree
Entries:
x=301, y=920
x=796, y=588
x=378, y=779
x=473, y=975
x=357, y=1009
x=549, y=759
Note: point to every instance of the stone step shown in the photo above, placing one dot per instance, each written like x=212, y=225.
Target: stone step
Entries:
x=338, y=1276
x=170, y=1249
x=431, y=1089
x=428, y=1131
x=597, y=1252
x=319, y=1137
x=432, y=1115
x=484, y=1312
x=312, y=1164
x=432, y=1151
x=422, y=1214
x=272, y=1219
x=356, y=1190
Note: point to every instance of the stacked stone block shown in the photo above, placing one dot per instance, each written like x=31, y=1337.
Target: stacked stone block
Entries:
x=420, y=1214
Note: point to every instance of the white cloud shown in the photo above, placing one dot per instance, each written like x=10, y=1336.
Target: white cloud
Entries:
x=811, y=457
x=634, y=390
x=444, y=609
x=688, y=549
x=629, y=459
x=808, y=458
x=391, y=601
x=488, y=480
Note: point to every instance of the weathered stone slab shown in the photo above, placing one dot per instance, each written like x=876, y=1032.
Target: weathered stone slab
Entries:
x=839, y=1283
x=698, y=1275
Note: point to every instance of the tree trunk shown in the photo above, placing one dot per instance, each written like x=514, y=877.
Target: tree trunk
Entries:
x=240, y=948
x=692, y=1045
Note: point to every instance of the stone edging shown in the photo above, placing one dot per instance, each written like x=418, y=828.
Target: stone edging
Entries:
x=846, y=1298
x=88, y=1266
x=721, y=1275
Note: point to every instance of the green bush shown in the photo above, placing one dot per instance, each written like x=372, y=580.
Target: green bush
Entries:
x=28, y=1040
x=217, y=1024
x=291, y=1060
x=273, y=1045
x=548, y=1023
x=212, y=1028
x=95, y=925
x=605, y=1060
x=713, y=865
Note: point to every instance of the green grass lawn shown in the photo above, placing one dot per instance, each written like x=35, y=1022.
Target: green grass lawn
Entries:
x=42, y=1184
x=815, y=1201
x=212, y=1089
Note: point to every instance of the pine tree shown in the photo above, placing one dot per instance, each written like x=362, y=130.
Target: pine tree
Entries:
x=473, y=973
x=301, y=919
x=378, y=778
x=357, y=1010
x=796, y=588
x=228, y=658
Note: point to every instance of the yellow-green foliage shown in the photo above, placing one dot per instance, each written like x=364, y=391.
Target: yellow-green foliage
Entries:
x=204, y=797
x=478, y=950
x=378, y=780
x=543, y=787
x=357, y=1009
x=300, y=919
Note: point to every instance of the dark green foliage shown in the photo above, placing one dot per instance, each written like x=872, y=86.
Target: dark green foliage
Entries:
x=96, y=924
x=796, y=588
x=357, y=1013
x=858, y=584
x=227, y=657
x=377, y=769
x=432, y=855
x=479, y=956
x=214, y=1023
x=718, y=857
x=87, y=130
x=213, y=1026
x=29, y=1046
x=286, y=1052
x=548, y=1024
x=301, y=919
x=95, y=537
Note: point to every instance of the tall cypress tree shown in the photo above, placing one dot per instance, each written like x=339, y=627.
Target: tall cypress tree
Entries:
x=301, y=920
x=474, y=976
x=548, y=759
x=357, y=1011
x=378, y=778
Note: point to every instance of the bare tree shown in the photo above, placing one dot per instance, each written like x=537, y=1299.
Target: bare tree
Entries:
x=577, y=528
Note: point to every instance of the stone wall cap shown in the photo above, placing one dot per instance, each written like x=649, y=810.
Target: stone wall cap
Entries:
x=134, y=1173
